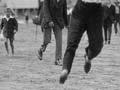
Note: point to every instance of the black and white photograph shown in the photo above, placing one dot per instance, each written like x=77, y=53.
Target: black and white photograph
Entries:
x=59, y=44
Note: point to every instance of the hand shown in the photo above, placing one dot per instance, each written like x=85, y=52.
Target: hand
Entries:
x=15, y=31
x=51, y=24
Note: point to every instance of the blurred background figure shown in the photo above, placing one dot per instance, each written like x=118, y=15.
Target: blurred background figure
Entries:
x=26, y=17
x=9, y=26
x=117, y=16
x=54, y=19
x=109, y=18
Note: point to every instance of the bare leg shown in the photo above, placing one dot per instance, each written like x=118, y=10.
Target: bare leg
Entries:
x=12, y=46
x=6, y=45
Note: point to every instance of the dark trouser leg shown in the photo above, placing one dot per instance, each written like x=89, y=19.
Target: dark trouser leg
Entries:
x=109, y=33
x=105, y=33
x=75, y=33
x=58, y=37
x=115, y=26
x=84, y=11
x=119, y=26
x=43, y=47
x=6, y=46
x=11, y=44
x=95, y=35
x=46, y=39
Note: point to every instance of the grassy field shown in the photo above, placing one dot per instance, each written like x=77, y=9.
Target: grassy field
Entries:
x=24, y=71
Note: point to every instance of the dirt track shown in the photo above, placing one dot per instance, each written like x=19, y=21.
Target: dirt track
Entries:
x=25, y=72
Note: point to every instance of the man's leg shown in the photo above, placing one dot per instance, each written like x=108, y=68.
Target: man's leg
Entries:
x=12, y=45
x=105, y=33
x=75, y=33
x=119, y=25
x=95, y=37
x=58, y=36
x=46, y=40
x=115, y=27
x=109, y=33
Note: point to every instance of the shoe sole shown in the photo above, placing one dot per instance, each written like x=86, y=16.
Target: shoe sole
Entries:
x=63, y=77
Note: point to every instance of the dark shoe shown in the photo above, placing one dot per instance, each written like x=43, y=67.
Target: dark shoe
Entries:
x=58, y=62
x=13, y=52
x=63, y=76
x=40, y=54
x=87, y=65
x=109, y=42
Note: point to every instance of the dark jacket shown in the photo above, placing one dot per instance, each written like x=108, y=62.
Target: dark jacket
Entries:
x=56, y=12
x=109, y=14
x=8, y=26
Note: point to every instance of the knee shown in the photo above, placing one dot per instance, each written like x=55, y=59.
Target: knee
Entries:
x=11, y=43
x=92, y=52
x=71, y=47
x=99, y=46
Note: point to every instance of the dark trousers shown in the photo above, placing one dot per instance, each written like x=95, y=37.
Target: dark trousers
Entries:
x=58, y=38
x=117, y=21
x=107, y=30
x=90, y=19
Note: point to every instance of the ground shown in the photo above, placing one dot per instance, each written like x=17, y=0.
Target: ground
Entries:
x=24, y=71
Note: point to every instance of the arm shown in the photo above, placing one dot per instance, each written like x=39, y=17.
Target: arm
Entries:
x=2, y=24
x=65, y=13
x=15, y=25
